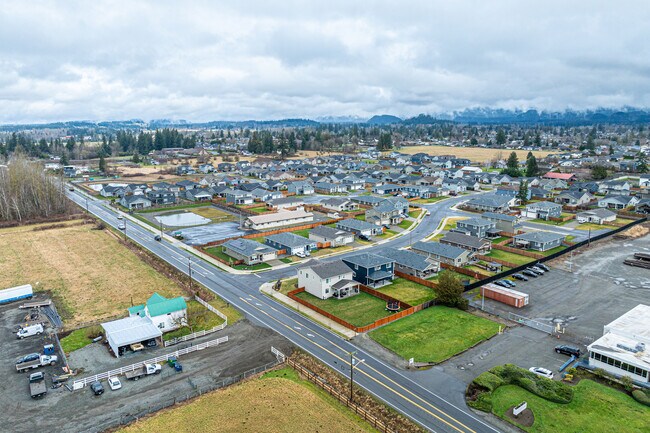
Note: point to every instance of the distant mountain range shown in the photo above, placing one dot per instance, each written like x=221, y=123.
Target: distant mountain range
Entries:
x=625, y=115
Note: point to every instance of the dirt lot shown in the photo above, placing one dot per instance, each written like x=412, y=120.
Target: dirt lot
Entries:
x=600, y=289
x=80, y=411
x=90, y=275
x=475, y=154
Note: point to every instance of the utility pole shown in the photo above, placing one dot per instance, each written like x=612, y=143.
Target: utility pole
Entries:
x=87, y=211
x=589, y=238
x=125, y=230
x=352, y=365
x=161, y=230
x=189, y=270
x=482, y=298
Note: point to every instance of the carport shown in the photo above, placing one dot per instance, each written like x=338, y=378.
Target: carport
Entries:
x=130, y=330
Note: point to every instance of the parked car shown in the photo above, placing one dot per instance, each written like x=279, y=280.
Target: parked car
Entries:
x=97, y=388
x=543, y=267
x=365, y=238
x=28, y=331
x=300, y=254
x=502, y=283
x=114, y=383
x=120, y=217
x=520, y=277
x=541, y=372
x=510, y=283
x=529, y=273
x=158, y=238
x=537, y=269
x=567, y=350
x=28, y=358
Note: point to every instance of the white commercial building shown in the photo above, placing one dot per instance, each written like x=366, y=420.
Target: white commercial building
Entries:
x=624, y=348
x=279, y=219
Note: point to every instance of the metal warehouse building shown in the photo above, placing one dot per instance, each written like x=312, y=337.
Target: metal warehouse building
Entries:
x=122, y=333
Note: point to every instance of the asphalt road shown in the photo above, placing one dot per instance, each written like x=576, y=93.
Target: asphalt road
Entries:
x=401, y=390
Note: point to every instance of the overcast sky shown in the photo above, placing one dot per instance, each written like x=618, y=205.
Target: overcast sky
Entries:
x=97, y=60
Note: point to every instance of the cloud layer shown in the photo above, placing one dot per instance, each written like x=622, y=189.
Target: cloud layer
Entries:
x=267, y=60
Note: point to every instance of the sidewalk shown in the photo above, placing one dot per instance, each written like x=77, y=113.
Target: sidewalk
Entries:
x=267, y=289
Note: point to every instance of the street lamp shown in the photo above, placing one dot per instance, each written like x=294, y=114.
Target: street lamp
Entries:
x=353, y=363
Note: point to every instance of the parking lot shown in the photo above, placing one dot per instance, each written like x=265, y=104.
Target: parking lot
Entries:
x=81, y=411
x=598, y=289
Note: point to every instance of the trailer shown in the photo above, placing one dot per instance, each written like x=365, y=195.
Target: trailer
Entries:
x=506, y=296
x=37, y=386
x=16, y=293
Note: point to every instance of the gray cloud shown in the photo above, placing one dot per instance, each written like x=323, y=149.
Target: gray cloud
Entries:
x=260, y=59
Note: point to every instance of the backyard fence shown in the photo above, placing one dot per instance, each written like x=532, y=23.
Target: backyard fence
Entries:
x=518, y=251
x=415, y=279
x=198, y=334
x=342, y=397
x=80, y=383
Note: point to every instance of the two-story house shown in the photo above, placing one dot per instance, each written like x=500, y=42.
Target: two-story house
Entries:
x=371, y=270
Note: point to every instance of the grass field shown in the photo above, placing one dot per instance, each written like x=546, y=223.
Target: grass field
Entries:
x=359, y=310
x=361, y=217
x=91, y=275
x=434, y=334
x=199, y=319
x=163, y=209
x=510, y=257
x=214, y=214
x=326, y=251
x=474, y=154
x=258, y=209
x=593, y=227
x=278, y=402
x=595, y=408
x=304, y=233
x=406, y=224
x=408, y=291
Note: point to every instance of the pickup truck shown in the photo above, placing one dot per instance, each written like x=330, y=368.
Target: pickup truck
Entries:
x=146, y=370
x=37, y=386
x=28, y=361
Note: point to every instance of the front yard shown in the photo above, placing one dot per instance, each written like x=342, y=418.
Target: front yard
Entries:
x=434, y=334
x=408, y=291
x=217, y=252
x=359, y=310
x=199, y=318
x=510, y=257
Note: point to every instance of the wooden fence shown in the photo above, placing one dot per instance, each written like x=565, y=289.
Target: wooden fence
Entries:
x=415, y=279
x=343, y=398
x=492, y=259
x=518, y=251
x=292, y=294
x=383, y=296
x=463, y=271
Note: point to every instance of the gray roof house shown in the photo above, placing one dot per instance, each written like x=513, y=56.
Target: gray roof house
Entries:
x=411, y=263
x=359, y=227
x=335, y=237
x=543, y=210
x=371, y=269
x=327, y=280
x=491, y=203
x=596, y=216
x=467, y=242
x=504, y=223
x=249, y=251
x=573, y=198
x=618, y=201
x=540, y=241
x=292, y=243
x=448, y=254
x=479, y=227
x=135, y=202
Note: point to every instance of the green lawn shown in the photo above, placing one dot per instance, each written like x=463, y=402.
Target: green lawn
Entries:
x=287, y=260
x=217, y=252
x=499, y=239
x=199, y=319
x=415, y=213
x=361, y=217
x=257, y=267
x=595, y=408
x=551, y=251
x=461, y=277
x=258, y=209
x=288, y=285
x=406, y=224
x=510, y=257
x=387, y=234
x=325, y=251
x=80, y=338
x=408, y=291
x=304, y=233
x=434, y=334
x=551, y=223
x=359, y=310
x=181, y=206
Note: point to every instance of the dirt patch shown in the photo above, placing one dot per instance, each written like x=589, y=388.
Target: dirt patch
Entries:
x=526, y=418
x=637, y=231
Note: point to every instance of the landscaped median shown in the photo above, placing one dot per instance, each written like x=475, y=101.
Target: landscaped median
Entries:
x=554, y=406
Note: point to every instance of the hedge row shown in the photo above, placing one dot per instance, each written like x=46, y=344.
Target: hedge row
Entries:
x=641, y=396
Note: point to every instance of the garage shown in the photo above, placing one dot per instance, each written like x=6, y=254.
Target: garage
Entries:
x=122, y=333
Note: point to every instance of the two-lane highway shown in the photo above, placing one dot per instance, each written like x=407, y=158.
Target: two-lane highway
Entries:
x=428, y=407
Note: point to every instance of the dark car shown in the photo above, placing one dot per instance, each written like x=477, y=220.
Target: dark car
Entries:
x=97, y=388
x=543, y=267
x=28, y=358
x=158, y=238
x=519, y=277
x=567, y=350
x=364, y=237
x=529, y=273
x=502, y=283
x=536, y=271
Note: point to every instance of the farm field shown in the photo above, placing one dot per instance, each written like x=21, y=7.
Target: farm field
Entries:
x=474, y=154
x=359, y=310
x=90, y=274
x=434, y=334
x=408, y=291
x=594, y=408
x=279, y=402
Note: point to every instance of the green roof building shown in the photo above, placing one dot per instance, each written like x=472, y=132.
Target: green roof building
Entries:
x=166, y=314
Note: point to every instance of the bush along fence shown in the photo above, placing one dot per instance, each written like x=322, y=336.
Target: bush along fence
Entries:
x=553, y=256
x=408, y=309
x=343, y=398
x=198, y=334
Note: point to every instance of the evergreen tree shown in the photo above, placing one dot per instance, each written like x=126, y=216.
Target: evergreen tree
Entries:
x=64, y=159
x=531, y=165
x=512, y=166
x=102, y=163
x=385, y=142
x=136, y=157
x=642, y=165
x=450, y=291
x=523, y=192
x=501, y=137
x=598, y=172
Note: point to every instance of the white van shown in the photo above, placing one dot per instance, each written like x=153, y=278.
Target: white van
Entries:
x=30, y=330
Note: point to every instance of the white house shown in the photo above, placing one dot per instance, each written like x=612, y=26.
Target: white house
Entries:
x=166, y=314
x=326, y=280
x=278, y=219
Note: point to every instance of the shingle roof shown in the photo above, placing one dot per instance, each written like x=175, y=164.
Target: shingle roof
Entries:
x=290, y=240
x=368, y=260
x=406, y=258
x=436, y=248
x=476, y=222
x=327, y=270
x=328, y=232
x=462, y=239
x=356, y=224
x=490, y=200
x=247, y=247
x=499, y=216
x=540, y=236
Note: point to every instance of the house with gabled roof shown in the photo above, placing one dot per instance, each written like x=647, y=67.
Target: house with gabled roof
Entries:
x=250, y=252
x=448, y=254
x=327, y=280
x=411, y=263
x=538, y=240
x=370, y=269
x=166, y=314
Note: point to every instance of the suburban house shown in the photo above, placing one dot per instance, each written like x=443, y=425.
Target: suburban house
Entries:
x=539, y=241
x=615, y=187
x=166, y=314
x=384, y=213
x=161, y=196
x=359, y=227
x=261, y=194
x=371, y=269
x=237, y=196
x=596, y=216
x=573, y=198
x=112, y=191
x=183, y=170
x=329, y=188
x=479, y=227
x=339, y=204
x=624, y=348
x=542, y=210
x=301, y=188
x=448, y=254
x=249, y=251
x=467, y=242
x=387, y=188
x=643, y=206
x=491, y=203
x=281, y=218
x=539, y=193
x=135, y=202
x=504, y=223
x=567, y=177
x=327, y=280
x=291, y=243
x=285, y=203
x=618, y=201
x=324, y=235
x=199, y=194
x=411, y=263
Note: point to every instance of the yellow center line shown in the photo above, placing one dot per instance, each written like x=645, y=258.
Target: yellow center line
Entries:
x=359, y=370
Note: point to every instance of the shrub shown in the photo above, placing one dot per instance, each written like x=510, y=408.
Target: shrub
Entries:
x=627, y=383
x=483, y=402
x=641, y=396
x=488, y=381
